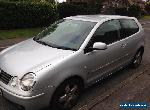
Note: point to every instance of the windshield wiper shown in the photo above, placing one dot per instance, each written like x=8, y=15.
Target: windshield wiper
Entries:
x=66, y=48
x=41, y=42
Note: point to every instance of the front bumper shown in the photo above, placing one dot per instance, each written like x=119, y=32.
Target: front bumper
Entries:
x=29, y=103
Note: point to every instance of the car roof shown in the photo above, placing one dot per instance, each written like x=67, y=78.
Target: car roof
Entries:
x=97, y=18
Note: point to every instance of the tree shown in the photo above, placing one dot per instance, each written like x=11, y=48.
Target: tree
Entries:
x=99, y=1
x=52, y=1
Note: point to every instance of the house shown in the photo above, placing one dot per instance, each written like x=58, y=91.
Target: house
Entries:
x=123, y=3
x=141, y=3
x=109, y=5
x=80, y=1
x=112, y=3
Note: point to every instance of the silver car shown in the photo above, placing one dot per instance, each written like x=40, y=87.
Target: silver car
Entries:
x=51, y=69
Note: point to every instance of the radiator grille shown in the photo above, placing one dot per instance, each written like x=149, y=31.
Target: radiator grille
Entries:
x=4, y=77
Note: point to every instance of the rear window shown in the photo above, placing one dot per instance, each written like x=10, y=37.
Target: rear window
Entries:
x=129, y=27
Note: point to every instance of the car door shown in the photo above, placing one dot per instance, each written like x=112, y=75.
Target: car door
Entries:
x=102, y=62
x=130, y=33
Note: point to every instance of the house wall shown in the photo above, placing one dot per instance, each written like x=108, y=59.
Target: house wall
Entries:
x=74, y=1
x=109, y=5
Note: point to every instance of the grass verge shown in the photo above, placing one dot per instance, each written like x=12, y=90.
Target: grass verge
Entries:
x=10, y=34
x=147, y=17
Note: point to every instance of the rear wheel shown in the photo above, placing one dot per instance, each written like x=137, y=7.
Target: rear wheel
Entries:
x=137, y=59
x=67, y=94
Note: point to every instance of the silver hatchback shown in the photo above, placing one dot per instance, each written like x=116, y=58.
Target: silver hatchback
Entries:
x=51, y=69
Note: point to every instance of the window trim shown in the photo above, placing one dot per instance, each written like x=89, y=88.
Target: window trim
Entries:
x=128, y=36
x=119, y=40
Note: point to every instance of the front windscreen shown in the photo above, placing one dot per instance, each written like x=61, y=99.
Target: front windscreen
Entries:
x=66, y=34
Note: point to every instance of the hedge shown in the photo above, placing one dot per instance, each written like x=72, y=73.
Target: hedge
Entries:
x=30, y=14
x=133, y=10
x=66, y=10
x=26, y=14
x=39, y=14
x=148, y=7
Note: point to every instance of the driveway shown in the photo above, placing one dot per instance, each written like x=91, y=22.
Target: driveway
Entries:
x=125, y=85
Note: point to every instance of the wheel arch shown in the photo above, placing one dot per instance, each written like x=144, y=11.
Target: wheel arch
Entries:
x=79, y=78
x=141, y=49
x=74, y=77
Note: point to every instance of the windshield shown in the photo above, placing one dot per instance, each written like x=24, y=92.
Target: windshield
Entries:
x=66, y=34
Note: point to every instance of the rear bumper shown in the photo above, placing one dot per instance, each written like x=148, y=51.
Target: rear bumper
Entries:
x=29, y=103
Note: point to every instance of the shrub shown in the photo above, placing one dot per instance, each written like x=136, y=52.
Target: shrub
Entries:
x=26, y=14
x=121, y=11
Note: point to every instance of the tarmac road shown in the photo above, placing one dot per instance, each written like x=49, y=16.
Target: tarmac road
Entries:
x=98, y=93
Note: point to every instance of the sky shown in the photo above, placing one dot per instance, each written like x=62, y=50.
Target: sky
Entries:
x=60, y=1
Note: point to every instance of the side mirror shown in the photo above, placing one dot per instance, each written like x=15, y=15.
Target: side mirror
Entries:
x=99, y=46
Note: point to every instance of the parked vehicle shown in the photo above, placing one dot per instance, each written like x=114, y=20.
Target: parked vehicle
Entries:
x=51, y=69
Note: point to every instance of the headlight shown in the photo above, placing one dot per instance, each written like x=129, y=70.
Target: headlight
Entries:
x=27, y=82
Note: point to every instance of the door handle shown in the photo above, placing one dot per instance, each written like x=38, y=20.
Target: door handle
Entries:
x=123, y=45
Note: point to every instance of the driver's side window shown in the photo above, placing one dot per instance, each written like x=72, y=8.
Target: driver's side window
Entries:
x=108, y=32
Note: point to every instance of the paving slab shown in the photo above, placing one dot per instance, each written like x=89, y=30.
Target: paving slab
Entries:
x=8, y=42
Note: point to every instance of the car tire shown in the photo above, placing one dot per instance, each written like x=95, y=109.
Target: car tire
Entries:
x=67, y=94
x=137, y=59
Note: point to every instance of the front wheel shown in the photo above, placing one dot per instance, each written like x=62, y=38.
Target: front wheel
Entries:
x=66, y=95
x=137, y=59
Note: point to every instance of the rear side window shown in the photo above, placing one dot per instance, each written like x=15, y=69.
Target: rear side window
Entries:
x=129, y=27
x=108, y=32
